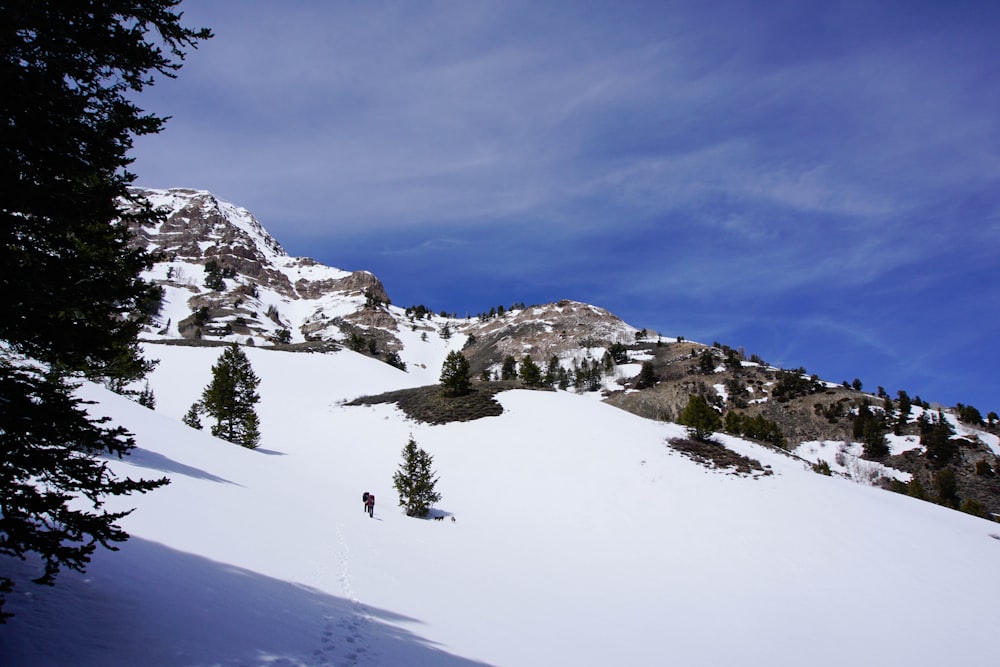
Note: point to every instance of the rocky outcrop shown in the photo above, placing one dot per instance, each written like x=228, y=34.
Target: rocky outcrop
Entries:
x=359, y=283
x=541, y=331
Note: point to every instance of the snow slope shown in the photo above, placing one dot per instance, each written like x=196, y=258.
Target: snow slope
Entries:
x=579, y=539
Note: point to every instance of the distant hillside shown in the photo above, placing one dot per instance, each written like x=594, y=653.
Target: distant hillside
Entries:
x=226, y=279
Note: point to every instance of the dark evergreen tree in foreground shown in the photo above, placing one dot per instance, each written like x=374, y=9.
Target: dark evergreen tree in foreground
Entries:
x=455, y=375
x=69, y=72
x=415, y=481
x=230, y=397
x=700, y=418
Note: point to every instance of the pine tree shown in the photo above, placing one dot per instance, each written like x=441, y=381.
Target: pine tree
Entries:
x=508, y=370
x=870, y=430
x=608, y=361
x=946, y=486
x=530, y=373
x=552, y=371
x=707, y=362
x=213, y=276
x=415, y=481
x=455, y=375
x=875, y=446
x=619, y=353
x=146, y=397
x=701, y=419
x=192, y=416
x=230, y=397
x=904, y=412
x=647, y=376
x=70, y=73
x=936, y=439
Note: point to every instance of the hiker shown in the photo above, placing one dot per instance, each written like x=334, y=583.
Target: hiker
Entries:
x=370, y=504
x=364, y=501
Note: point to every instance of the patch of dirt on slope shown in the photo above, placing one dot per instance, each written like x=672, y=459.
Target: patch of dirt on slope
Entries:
x=429, y=405
x=716, y=457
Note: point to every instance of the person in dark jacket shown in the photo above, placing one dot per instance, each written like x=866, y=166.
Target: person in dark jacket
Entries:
x=370, y=504
x=364, y=501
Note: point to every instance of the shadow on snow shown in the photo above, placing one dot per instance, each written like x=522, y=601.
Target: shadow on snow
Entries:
x=152, y=605
x=154, y=461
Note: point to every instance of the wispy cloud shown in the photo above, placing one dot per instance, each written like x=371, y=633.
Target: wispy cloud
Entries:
x=724, y=152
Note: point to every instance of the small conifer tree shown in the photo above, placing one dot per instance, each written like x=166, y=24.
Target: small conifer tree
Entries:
x=213, y=276
x=455, y=375
x=701, y=419
x=415, y=481
x=552, y=372
x=146, y=397
x=946, y=485
x=508, y=370
x=230, y=398
x=936, y=438
x=191, y=417
x=531, y=374
x=647, y=376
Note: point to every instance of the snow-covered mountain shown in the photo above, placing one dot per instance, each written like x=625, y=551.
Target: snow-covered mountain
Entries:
x=573, y=532
x=265, y=296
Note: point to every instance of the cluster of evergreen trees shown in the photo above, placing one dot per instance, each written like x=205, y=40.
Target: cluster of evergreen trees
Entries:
x=793, y=384
x=945, y=490
x=970, y=415
x=585, y=375
x=418, y=312
x=870, y=429
x=215, y=275
x=498, y=311
x=374, y=300
x=702, y=419
x=757, y=427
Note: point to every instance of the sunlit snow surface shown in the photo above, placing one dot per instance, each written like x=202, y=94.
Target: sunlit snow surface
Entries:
x=579, y=538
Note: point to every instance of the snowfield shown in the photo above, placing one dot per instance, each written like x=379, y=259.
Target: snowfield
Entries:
x=579, y=538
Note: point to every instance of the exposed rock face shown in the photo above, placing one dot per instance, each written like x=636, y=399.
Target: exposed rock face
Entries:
x=359, y=283
x=261, y=279
x=545, y=330
x=199, y=228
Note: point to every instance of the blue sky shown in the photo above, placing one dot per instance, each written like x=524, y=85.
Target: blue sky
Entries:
x=816, y=182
